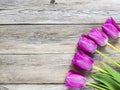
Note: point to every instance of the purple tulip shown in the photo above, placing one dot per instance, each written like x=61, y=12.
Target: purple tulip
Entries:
x=110, y=30
x=75, y=79
x=98, y=36
x=82, y=61
x=113, y=22
x=86, y=44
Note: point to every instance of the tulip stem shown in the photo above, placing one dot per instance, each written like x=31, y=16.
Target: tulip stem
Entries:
x=110, y=45
x=99, y=69
x=108, y=58
x=95, y=86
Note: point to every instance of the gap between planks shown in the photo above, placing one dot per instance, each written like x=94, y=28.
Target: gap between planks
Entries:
x=31, y=23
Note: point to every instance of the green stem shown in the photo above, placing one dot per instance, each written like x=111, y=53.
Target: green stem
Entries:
x=95, y=86
x=99, y=69
x=108, y=58
x=116, y=49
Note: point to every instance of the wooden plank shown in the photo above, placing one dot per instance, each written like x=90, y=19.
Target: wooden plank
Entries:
x=43, y=68
x=38, y=39
x=65, y=11
x=76, y=3
x=28, y=39
x=34, y=68
x=33, y=87
x=38, y=87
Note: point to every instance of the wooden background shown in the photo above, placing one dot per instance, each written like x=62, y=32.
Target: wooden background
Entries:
x=38, y=39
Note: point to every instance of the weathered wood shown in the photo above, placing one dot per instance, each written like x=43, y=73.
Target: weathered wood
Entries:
x=52, y=45
x=43, y=68
x=38, y=39
x=102, y=4
x=34, y=54
x=38, y=87
x=22, y=39
x=33, y=87
x=65, y=11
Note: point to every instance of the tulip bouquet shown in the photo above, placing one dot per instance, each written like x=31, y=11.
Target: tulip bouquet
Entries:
x=107, y=78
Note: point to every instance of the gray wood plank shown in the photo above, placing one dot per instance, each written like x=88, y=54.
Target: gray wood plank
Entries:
x=38, y=87
x=65, y=11
x=28, y=39
x=33, y=87
x=38, y=39
x=43, y=68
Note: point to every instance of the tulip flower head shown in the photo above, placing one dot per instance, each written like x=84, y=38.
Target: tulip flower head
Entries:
x=98, y=36
x=86, y=44
x=110, y=30
x=82, y=61
x=75, y=80
x=113, y=22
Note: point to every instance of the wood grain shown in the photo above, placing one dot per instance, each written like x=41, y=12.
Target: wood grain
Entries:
x=64, y=12
x=39, y=87
x=33, y=87
x=39, y=68
x=38, y=40
x=30, y=54
x=28, y=39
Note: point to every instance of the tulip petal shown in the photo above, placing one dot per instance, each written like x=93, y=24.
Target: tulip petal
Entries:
x=112, y=21
x=75, y=80
x=82, y=61
x=110, y=30
x=86, y=44
x=98, y=36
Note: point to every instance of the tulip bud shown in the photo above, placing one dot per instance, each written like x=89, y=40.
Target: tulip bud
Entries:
x=75, y=80
x=86, y=44
x=98, y=36
x=82, y=61
x=110, y=30
x=113, y=22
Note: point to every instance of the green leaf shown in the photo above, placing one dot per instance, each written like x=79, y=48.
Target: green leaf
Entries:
x=119, y=63
x=112, y=72
x=107, y=80
x=102, y=85
x=98, y=86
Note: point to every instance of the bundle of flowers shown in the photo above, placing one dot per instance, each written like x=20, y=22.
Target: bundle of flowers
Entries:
x=107, y=78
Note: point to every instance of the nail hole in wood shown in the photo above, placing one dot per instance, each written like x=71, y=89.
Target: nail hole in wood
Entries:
x=53, y=2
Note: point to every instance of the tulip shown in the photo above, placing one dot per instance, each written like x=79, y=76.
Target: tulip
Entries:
x=75, y=79
x=110, y=30
x=82, y=61
x=113, y=22
x=78, y=81
x=113, y=32
x=98, y=36
x=86, y=44
x=101, y=38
